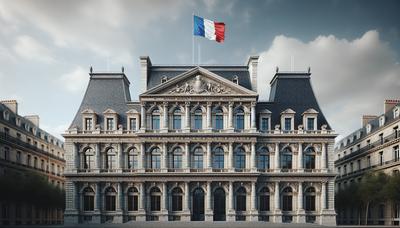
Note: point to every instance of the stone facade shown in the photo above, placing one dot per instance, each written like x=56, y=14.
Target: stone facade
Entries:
x=26, y=149
x=372, y=148
x=198, y=145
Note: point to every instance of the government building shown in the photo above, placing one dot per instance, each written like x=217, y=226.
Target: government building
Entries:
x=198, y=145
x=31, y=170
x=371, y=149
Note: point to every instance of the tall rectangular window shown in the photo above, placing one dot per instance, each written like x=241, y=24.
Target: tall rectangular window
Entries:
x=6, y=153
x=288, y=124
x=88, y=124
x=177, y=163
x=396, y=153
x=132, y=124
x=110, y=162
x=263, y=161
x=110, y=124
x=198, y=119
x=369, y=161
x=359, y=164
x=133, y=161
x=18, y=157
x=176, y=124
x=381, y=138
x=155, y=122
x=310, y=124
x=264, y=124
x=155, y=161
x=198, y=161
x=219, y=122
x=381, y=158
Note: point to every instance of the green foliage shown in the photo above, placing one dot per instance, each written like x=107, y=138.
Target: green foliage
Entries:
x=32, y=189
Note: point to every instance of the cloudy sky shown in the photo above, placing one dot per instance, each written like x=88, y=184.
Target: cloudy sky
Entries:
x=47, y=47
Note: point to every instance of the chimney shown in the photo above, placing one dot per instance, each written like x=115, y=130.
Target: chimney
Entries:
x=390, y=103
x=34, y=119
x=145, y=64
x=367, y=118
x=252, y=64
x=11, y=104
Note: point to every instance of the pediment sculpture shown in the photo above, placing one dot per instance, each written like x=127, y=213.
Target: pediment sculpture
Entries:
x=200, y=85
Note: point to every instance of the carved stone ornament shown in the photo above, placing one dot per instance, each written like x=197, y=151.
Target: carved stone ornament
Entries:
x=200, y=85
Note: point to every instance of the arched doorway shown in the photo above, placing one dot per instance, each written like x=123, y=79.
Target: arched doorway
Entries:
x=219, y=205
x=198, y=205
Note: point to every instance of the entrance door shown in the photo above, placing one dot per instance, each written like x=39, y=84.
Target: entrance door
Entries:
x=198, y=205
x=219, y=205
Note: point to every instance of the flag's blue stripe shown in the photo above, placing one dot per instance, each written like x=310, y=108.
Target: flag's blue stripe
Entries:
x=198, y=28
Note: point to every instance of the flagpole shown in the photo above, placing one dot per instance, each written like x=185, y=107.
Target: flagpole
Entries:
x=193, y=38
x=199, y=55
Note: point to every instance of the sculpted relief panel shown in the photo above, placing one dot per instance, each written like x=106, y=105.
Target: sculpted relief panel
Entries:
x=200, y=85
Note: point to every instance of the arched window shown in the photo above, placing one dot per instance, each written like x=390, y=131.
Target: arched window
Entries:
x=133, y=158
x=241, y=199
x=287, y=198
x=88, y=159
x=309, y=196
x=240, y=158
x=263, y=159
x=218, y=159
x=198, y=119
x=88, y=199
x=218, y=115
x=110, y=159
x=309, y=158
x=155, y=199
x=110, y=195
x=156, y=158
x=155, y=119
x=239, y=119
x=133, y=199
x=177, y=158
x=176, y=119
x=177, y=199
x=286, y=158
x=197, y=161
x=263, y=199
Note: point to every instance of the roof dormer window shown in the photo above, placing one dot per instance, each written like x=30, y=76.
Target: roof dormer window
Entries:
x=6, y=115
x=368, y=128
x=89, y=120
x=164, y=79
x=235, y=79
x=381, y=121
x=396, y=112
x=110, y=117
x=310, y=119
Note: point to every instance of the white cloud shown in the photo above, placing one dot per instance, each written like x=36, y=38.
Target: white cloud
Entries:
x=350, y=77
x=29, y=48
x=75, y=81
x=55, y=130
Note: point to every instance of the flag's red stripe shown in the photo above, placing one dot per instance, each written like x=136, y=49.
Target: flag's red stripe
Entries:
x=219, y=31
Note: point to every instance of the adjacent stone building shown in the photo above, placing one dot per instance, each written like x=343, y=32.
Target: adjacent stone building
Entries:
x=25, y=149
x=199, y=145
x=372, y=148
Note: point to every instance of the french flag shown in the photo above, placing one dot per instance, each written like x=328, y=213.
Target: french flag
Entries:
x=209, y=29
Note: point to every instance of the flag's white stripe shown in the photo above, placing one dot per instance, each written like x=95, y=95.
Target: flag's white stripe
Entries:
x=209, y=29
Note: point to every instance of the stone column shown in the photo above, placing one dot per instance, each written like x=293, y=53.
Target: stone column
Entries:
x=277, y=165
x=253, y=116
x=253, y=202
x=187, y=117
x=97, y=197
x=323, y=157
x=278, y=212
x=71, y=215
x=187, y=153
x=164, y=158
x=300, y=210
x=164, y=197
x=300, y=158
x=142, y=163
x=231, y=210
x=230, y=116
x=118, y=164
x=209, y=211
x=209, y=156
x=118, y=204
x=77, y=162
x=143, y=117
x=142, y=202
x=98, y=157
x=209, y=126
x=323, y=196
x=253, y=157
x=230, y=157
x=165, y=117
x=187, y=197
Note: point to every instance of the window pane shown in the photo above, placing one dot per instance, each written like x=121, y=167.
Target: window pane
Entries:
x=155, y=161
x=132, y=124
x=198, y=122
x=177, y=161
x=264, y=124
x=310, y=123
x=288, y=124
x=155, y=122
x=176, y=122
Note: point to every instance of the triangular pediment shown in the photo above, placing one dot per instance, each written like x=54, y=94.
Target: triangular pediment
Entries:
x=199, y=81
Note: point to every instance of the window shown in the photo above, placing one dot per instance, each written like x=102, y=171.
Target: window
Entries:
x=133, y=199
x=263, y=199
x=239, y=119
x=155, y=199
x=177, y=158
x=310, y=124
x=369, y=161
x=176, y=122
x=110, y=159
x=310, y=199
x=177, y=199
x=287, y=196
x=381, y=138
x=218, y=159
x=396, y=132
x=35, y=162
x=88, y=199
x=381, y=158
x=345, y=169
x=264, y=124
x=110, y=199
x=381, y=121
x=88, y=124
x=133, y=158
x=235, y=79
x=198, y=119
x=263, y=158
x=110, y=124
x=240, y=158
x=132, y=124
x=164, y=79
x=155, y=119
x=197, y=158
x=288, y=124
x=18, y=157
x=396, y=153
x=241, y=199
x=218, y=119
x=88, y=159
x=156, y=158
x=309, y=158
x=28, y=160
x=286, y=158
x=396, y=112
x=351, y=167
x=359, y=164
